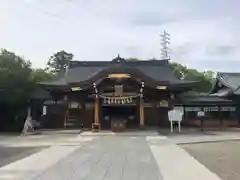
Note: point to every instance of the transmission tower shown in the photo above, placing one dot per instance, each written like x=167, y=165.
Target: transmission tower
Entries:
x=165, y=42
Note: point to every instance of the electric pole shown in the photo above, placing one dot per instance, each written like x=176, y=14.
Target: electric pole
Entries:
x=165, y=42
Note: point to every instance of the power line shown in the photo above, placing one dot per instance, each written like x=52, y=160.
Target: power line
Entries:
x=45, y=12
x=39, y=20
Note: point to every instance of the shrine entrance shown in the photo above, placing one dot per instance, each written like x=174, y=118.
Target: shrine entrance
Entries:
x=118, y=103
x=125, y=113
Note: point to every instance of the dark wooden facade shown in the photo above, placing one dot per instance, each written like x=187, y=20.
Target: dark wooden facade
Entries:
x=86, y=94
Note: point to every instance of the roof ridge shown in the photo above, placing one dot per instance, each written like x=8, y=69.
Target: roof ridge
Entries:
x=228, y=73
x=73, y=64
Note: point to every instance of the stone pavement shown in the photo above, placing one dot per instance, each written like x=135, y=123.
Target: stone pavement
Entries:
x=177, y=164
x=107, y=158
x=127, y=156
x=210, y=136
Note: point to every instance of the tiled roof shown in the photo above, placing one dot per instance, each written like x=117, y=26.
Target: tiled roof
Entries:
x=40, y=93
x=232, y=80
x=150, y=70
x=230, y=83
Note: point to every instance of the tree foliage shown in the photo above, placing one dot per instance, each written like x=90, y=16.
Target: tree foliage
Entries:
x=15, y=73
x=40, y=75
x=59, y=61
x=17, y=82
x=132, y=59
x=15, y=87
x=205, y=78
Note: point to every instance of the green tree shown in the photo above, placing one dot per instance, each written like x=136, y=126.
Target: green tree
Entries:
x=39, y=75
x=59, y=61
x=16, y=86
x=179, y=70
x=205, y=78
x=205, y=84
x=132, y=59
x=15, y=73
x=209, y=74
x=17, y=82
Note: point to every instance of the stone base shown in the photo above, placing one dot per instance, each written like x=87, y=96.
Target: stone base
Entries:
x=142, y=127
x=96, y=127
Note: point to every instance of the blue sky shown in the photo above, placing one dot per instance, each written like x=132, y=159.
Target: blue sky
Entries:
x=204, y=33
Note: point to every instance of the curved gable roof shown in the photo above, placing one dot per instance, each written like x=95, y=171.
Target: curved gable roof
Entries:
x=119, y=67
x=152, y=72
x=157, y=70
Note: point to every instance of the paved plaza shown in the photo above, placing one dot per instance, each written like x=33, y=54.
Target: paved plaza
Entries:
x=221, y=157
x=11, y=154
x=108, y=156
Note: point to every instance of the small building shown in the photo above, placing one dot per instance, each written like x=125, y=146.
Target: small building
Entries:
x=115, y=94
x=221, y=105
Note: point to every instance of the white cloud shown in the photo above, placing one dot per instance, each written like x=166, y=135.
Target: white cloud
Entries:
x=201, y=31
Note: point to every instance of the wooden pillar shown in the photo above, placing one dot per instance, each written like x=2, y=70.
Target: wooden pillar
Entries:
x=96, y=111
x=96, y=124
x=142, y=123
x=143, y=116
x=66, y=112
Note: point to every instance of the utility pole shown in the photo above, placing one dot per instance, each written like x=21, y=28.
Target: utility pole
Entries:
x=165, y=42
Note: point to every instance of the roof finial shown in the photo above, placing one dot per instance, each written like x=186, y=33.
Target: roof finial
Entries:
x=118, y=59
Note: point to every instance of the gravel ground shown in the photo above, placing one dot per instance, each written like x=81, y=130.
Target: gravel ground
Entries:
x=11, y=154
x=222, y=158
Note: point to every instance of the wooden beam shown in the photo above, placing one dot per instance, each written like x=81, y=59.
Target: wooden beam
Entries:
x=76, y=88
x=161, y=87
x=117, y=76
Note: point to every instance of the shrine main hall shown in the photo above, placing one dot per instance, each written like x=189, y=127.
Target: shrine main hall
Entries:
x=117, y=94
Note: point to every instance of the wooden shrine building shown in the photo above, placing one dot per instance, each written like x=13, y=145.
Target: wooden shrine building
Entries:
x=115, y=94
x=221, y=105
